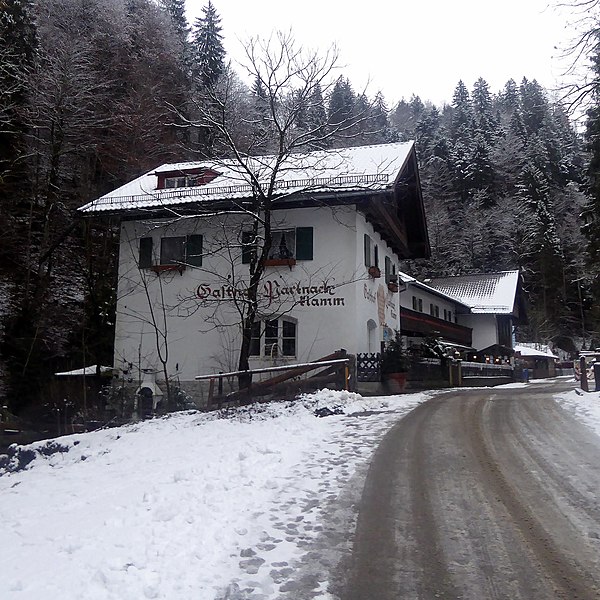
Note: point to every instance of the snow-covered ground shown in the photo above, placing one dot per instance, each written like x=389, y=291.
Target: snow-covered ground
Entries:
x=584, y=406
x=258, y=505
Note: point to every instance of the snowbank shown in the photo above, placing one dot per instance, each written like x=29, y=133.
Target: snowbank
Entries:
x=585, y=406
x=254, y=503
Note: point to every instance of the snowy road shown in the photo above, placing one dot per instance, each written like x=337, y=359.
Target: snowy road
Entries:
x=482, y=494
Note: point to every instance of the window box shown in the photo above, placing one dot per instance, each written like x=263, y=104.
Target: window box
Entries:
x=393, y=287
x=280, y=262
x=374, y=272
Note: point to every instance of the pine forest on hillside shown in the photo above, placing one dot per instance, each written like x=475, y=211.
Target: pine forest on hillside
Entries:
x=94, y=94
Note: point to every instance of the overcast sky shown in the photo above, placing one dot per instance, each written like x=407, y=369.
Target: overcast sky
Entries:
x=421, y=47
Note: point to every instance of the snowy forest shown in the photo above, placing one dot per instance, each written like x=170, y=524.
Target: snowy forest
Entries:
x=94, y=93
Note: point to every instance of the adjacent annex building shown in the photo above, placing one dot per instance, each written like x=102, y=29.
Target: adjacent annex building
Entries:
x=428, y=312
x=495, y=307
x=342, y=221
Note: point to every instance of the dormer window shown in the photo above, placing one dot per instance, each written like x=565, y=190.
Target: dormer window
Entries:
x=177, y=182
x=185, y=178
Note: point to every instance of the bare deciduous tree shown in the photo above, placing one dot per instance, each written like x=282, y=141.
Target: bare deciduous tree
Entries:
x=289, y=78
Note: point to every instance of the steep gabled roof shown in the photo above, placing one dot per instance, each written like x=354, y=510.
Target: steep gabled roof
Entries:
x=364, y=168
x=381, y=180
x=407, y=279
x=491, y=293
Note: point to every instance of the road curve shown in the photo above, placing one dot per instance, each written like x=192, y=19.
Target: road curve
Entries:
x=477, y=495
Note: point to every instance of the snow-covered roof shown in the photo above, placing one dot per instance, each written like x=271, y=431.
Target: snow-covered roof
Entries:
x=371, y=168
x=491, y=293
x=538, y=350
x=408, y=279
x=85, y=371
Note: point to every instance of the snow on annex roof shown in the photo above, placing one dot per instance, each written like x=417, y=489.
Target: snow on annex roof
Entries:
x=537, y=350
x=372, y=168
x=408, y=279
x=492, y=293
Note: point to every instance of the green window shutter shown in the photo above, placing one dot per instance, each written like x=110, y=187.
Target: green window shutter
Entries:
x=247, y=247
x=367, y=246
x=193, y=250
x=304, y=243
x=145, y=258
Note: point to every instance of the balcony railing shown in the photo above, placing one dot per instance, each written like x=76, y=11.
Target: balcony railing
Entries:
x=418, y=323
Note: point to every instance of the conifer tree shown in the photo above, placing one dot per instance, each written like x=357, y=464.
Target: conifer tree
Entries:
x=462, y=113
x=260, y=123
x=485, y=121
x=543, y=242
x=209, y=52
x=534, y=105
x=508, y=99
x=379, y=122
x=341, y=102
x=316, y=119
x=405, y=117
x=176, y=11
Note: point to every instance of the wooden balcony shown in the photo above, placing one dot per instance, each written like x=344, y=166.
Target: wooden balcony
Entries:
x=415, y=323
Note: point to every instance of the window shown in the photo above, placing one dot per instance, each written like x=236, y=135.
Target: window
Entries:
x=390, y=271
x=271, y=337
x=504, y=330
x=287, y=244
x=279, y=338
x=172, y=251
x=371, y=252
x=255, y=340
x=145, y=260
x=420, y=305
x=179, y=182
x=431, y=312
x=175, y=251
x=437, y=311
x=288, y=338
x=415, y=303
x=283, y=244
x=187, y=178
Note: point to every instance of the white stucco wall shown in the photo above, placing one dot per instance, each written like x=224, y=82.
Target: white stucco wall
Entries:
x=377, y=309
x=485, y=332
x=330, y=297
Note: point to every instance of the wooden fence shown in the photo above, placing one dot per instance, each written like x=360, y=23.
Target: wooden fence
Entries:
x=433, y=371
x=333, y=371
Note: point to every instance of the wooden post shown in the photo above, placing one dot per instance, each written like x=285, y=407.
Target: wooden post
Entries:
x=211, y=389
x=583, y=377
